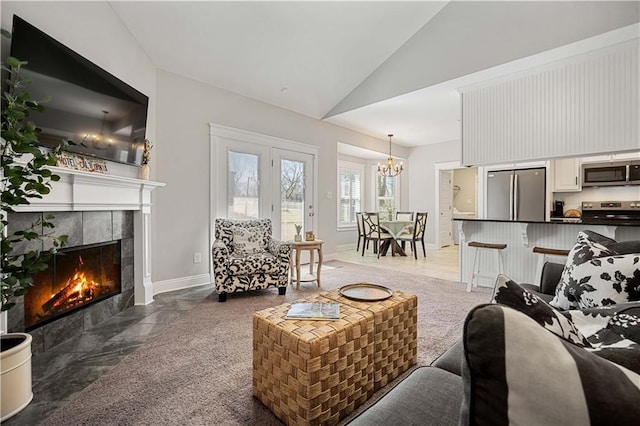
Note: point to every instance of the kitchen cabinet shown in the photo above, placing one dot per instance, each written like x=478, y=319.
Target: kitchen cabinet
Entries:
x=566, y=175
x=611, y=157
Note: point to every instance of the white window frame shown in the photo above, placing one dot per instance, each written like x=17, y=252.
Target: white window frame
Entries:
x=374, y=191
x=354, y=168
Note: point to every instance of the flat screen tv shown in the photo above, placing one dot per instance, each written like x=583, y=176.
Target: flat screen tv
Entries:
x=103, y=115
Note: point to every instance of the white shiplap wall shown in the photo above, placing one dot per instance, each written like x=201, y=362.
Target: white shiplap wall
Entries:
x=585, y=105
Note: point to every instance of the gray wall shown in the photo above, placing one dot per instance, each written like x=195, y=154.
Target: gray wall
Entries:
x=422, y=179
x=181, y=209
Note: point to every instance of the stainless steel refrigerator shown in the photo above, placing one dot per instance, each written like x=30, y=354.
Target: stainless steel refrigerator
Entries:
x=516, y=194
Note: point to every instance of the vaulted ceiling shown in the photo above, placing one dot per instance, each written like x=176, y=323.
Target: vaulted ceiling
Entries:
x=375, y=67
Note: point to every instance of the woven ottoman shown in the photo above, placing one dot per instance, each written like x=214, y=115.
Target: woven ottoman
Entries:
x=395, y=333
x=312, y=372
x=317, y=372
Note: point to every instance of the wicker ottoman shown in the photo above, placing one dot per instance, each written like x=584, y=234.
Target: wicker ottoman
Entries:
x=312, y=372
x=317, y=372
x=395, y=330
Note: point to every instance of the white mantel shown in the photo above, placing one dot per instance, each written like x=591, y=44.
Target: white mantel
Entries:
x=84, y=191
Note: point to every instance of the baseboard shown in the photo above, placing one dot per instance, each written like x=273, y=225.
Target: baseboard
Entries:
x=345, y=247
x=181, y=283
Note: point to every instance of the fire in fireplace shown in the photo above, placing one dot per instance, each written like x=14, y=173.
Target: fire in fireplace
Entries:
x=75, y=278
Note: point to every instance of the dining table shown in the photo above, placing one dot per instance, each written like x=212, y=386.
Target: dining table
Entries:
x=397, y=229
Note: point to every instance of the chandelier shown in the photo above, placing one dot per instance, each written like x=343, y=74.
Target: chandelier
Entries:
x=390, y=169
x=98, y=140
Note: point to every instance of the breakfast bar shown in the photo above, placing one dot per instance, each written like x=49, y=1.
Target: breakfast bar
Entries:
x=521, y=237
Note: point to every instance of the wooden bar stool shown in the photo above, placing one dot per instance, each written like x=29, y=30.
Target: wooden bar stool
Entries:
x=475, y=271
x=543, y=255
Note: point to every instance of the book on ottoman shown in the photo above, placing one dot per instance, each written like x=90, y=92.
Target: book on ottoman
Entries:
x=314, y=311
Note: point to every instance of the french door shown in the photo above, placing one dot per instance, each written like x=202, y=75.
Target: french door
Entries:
x=259, y=176
x=247, y=175
x=293, y=197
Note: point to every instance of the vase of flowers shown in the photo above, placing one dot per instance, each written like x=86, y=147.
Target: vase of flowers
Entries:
x=146, y=159
x=298, y=236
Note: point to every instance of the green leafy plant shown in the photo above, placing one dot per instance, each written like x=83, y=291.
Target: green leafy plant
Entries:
x=298, y=229
x=25, y=176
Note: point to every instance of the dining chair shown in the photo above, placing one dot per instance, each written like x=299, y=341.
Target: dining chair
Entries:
x=372, y=232
x=404, y=216
x=419, y=227
x=360, y=230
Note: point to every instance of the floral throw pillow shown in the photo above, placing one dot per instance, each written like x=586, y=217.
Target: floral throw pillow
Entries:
x=605, y=281
x=582, y=252
x=511, y=294
x=247, y=240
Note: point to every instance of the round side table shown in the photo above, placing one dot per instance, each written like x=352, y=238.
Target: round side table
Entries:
x=312, y=246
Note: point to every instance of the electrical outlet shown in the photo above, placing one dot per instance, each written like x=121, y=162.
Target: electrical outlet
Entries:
x=329, y=194
x=197, y=257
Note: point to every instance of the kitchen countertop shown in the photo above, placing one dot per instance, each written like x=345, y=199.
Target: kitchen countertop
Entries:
x=561, y=221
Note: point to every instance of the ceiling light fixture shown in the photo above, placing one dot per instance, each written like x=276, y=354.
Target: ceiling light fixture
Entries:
x=390, y=169
x=97, y=139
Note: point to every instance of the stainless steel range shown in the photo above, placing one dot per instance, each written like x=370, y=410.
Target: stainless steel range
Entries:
x=611, y=212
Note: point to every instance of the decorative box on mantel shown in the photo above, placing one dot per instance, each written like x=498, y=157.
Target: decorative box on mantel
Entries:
x=83, y=191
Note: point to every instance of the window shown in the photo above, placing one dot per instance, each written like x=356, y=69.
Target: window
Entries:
x=387, y=195
x=350, y=188
x=244, y=186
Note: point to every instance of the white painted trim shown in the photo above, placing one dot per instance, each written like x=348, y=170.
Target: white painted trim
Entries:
x=346, y=247
x=181, y=283
x=85, y=191
x=450, y=165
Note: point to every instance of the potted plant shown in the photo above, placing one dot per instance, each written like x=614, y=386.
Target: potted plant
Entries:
x=24, y=176
x=298, y=237
x=146, y=159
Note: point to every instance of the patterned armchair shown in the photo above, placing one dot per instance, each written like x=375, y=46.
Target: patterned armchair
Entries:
x=246, y=257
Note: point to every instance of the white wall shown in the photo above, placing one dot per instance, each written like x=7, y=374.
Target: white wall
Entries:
x=421, y=177
x=185, y=107
x=464, y=199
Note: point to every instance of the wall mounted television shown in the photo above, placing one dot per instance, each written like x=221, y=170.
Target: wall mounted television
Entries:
x=86, y=104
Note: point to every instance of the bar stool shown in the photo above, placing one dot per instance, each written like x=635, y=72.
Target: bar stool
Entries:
x=543, y=255
x=485, y=248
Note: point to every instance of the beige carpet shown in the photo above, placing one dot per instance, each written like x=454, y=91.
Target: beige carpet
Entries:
x=198, y=371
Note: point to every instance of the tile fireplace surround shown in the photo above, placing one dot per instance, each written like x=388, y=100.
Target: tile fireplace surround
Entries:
x=92, y=208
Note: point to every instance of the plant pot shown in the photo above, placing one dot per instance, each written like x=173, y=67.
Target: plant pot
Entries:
x=15, y=374
x=144, y=172
x=297, y=238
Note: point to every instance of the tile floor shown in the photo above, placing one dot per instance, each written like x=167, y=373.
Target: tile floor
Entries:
x=67, y=369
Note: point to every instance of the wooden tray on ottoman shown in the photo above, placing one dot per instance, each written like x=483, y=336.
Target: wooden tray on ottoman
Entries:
x=311, y=372
x=396, y=333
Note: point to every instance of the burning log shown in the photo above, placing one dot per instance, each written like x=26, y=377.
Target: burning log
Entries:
x=77, y=290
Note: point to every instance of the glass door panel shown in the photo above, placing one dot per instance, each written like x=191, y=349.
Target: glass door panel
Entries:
x=292, y=184
x=242, y=178
x=293, y=171
x=243, y=192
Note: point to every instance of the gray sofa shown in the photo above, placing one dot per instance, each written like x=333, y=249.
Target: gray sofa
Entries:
x=486, y=378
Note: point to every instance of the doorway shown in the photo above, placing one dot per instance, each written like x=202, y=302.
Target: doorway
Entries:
x=254, y=175
x=453, y=190
x=445, y=194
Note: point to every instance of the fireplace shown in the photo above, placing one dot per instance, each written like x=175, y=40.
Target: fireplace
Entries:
x=76, y=278
x=90, y=208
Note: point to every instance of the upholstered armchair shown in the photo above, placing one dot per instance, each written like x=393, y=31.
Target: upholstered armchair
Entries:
x=246, y=257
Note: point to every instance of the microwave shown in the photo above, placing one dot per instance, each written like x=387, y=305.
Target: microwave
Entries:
x=611, y=174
